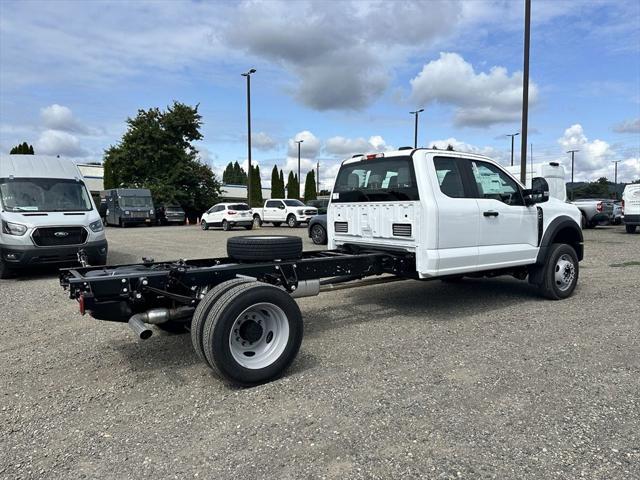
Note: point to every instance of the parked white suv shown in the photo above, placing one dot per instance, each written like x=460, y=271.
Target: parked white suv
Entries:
x=286, y=210
x=460, y=214
x=227, y=216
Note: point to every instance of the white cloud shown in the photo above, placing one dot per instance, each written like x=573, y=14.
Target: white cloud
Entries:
x=59, y=117
x=262, y=141
x=628, y=126
x=460, y=146
x=480, y=99
x=343, y=147
x=55, y=142
x=309, y=148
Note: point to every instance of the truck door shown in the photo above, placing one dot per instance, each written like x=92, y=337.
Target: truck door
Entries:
x=458, y=225
x=508, y=233
x=272, y=210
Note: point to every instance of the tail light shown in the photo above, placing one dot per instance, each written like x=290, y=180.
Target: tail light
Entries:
x=231, y=212
x=599, y=207
x=374, y=155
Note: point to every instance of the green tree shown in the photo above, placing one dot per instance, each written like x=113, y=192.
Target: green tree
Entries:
x=256, y=187
x=310, y=186
x=275, y=182
x=157, y=152
x=291, y=188
x=281, y=185
x=22, y=149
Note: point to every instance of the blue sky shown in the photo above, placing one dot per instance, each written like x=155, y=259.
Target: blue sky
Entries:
x=342, y=76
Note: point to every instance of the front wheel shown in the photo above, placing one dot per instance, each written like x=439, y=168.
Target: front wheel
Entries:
x=291, y=221
x=560, y=275
x=256, y=221
x=252, y=334
x=630, y=228
x=203, y=225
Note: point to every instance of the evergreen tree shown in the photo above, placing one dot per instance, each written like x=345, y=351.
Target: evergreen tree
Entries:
x=281, y=185
x=290, y=186
x=310, y=186
x=22, y=149
x=275, y=182
x=256, y=187
x=30, y=150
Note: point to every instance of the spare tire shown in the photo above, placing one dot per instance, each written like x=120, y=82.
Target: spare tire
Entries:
x=264, y=247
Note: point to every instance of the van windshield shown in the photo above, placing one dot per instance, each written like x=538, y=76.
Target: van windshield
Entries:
x=378, y=180
x=44, y=195
x=135, y=201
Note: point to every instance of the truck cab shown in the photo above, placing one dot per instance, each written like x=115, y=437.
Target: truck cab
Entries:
x=458, y=213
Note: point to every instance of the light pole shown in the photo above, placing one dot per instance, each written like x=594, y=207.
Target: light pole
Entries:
x=512, y=135
x=318, y=177
x=525, y=92
x=298, y=142
x=248, y=75
x=615, y=175
x=573, y=153
x=415, y=129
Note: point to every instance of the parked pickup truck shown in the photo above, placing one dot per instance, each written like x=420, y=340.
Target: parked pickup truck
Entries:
x=595, y=211
x=284, y=210
x=413, y=214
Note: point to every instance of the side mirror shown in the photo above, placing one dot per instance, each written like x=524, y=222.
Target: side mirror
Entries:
x=533, y=196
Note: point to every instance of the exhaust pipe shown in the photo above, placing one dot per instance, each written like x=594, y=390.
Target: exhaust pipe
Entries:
x=156, y=316
x=139, y=328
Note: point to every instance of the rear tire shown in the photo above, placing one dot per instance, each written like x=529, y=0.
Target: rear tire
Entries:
x=291, y=221
x=252, y=334
x=260, y=248
x=630, y=228
x=318, y=234
x=560, y=274
x=203, y=309
x=225, y=226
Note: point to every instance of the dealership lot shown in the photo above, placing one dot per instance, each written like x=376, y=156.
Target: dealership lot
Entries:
x=473, y=380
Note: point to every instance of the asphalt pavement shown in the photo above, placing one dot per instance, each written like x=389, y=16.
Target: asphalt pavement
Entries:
x=482, y=379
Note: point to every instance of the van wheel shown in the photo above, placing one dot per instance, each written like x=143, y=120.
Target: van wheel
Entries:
x=560, y=274
x=630, y=228
x=5, y=271
x=225, y=226
x=252, y=334
x=291, y=221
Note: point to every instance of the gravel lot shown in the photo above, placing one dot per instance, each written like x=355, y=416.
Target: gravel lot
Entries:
x=410, y=379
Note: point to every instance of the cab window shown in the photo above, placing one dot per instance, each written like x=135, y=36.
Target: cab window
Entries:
x=495, y=184
x=449, y=177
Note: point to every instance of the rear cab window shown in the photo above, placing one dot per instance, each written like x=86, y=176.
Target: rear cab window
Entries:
x=377, y=180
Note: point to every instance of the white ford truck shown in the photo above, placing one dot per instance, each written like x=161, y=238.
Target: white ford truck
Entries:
x=284, y=210
x=414, y=214
x=460, y=214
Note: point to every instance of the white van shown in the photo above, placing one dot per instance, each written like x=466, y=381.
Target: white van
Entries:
x=631, y=207
x=552, y=172
x=47, y=214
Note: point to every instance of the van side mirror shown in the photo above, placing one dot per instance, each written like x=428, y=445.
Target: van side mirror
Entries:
x=533, y=196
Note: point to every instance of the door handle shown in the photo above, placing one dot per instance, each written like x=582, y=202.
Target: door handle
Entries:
x=491, y=213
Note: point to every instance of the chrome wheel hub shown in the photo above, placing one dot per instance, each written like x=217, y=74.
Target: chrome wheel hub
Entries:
x=565, y=272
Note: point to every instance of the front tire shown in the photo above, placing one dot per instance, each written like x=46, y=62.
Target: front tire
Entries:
x=630, y=228
x=318, y=234
x=291, y=221
x=256, y=221
x=203, y=225
x=561, y=270
x=252, y=334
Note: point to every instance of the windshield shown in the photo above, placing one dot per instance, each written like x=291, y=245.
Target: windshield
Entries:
x=135, y=201
x=44, y=195
x=379, y=180
x=293, y=203
x=239, y=206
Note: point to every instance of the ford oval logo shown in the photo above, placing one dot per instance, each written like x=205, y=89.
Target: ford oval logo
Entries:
x=61, y=234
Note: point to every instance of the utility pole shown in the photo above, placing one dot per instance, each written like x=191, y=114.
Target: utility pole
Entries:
x=318, y=177
x=248, y=75
x=525, y=91
x=298, y=142
x=573, y=153
x=415, y=128
x=615, y=176
x=512, y=135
